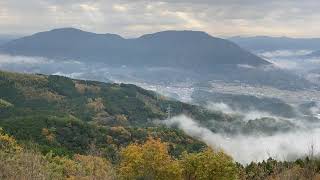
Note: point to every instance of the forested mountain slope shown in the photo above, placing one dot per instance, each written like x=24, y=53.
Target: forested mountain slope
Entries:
x=67, y=116
x=65, y=127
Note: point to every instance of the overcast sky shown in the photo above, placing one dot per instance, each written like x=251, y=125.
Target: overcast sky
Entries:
x=131, y=18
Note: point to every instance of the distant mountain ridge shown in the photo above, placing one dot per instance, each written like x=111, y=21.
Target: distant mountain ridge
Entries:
x=7, y=38
x=191, y=55
x=185, y=49
x=267, y=43
x=315, y=54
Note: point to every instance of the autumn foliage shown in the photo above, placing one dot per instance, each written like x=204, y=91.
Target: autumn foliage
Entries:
x=208, y=164
x=148, y=161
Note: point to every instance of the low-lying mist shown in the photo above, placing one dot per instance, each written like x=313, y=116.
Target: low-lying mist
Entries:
x=247, y=115
x=148, y=78
x=296, y=61
x=247, y=148
x=244, y=147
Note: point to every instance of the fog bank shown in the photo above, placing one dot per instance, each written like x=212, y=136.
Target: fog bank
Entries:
x=244, y=149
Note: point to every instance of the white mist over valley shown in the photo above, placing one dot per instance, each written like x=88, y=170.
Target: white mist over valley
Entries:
x=248, y=148
x=161, y=89
x=292, y=143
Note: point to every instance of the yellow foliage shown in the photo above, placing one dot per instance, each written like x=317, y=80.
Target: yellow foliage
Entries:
x=82, y=88
x=16, y=163
x=49, y=135
x=96, y=104
x=121, y=118
x=5, y=104
x=25, y=79
x=150, y=102
x=32, y=93
x=94, y=167
x=121, y=131
x=67, y=167
x=83, y=167
x=8, y=143
x=26, y=166
x=109, y=139
x=295, y=172
x=208, y=165
x=28, y=84
x=148, y=161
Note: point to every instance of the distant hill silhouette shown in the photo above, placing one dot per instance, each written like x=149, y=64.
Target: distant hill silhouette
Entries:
x=266, y=43
x=7, y=38
x=178, y=56
x=185, y=49
x=315, y=54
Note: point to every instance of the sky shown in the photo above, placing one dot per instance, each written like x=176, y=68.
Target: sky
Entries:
x=132, y=18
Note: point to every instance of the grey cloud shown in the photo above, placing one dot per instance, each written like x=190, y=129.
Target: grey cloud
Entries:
x=133, y=18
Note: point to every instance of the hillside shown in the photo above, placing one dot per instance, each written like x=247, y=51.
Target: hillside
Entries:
x=7, y=38
x=63, y=127
x=87, y=100
x=187, y=49
x=66, y=116
x=89, y=111
x=4, y=40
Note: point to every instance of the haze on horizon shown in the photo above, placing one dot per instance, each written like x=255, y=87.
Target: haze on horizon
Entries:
x=222, y=18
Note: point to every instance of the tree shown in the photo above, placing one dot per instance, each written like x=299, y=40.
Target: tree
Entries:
x=148, y=161
x=94, y=167
x=8, y=144
x=18, y=163
x=208, y=164
x=83, y=167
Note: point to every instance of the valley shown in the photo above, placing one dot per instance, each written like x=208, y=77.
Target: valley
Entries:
x=110, y=106
x=159, y=90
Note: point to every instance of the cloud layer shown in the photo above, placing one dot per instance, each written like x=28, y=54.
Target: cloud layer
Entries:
x=133, y=18
x=247, y=148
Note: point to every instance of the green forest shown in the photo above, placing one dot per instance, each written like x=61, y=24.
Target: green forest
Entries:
x=54, y=127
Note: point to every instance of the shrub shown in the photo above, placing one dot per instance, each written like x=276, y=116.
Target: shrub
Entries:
x=208, y=164
x=148, y=161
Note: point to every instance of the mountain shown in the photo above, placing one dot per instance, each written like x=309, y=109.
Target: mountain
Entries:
x=3, y=40
x=172, y=56
x=184, y=49
x=7, y=38
x=266, y=43
x=315, y=54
